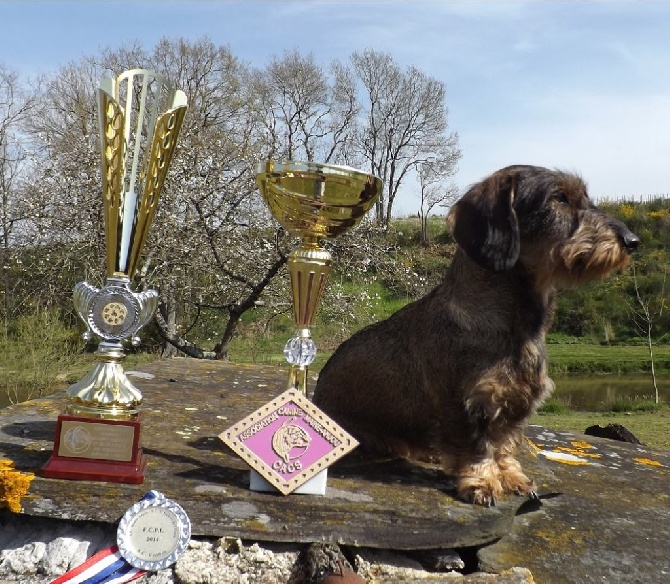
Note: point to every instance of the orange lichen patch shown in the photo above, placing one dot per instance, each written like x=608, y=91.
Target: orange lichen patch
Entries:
x=577, y=452
x=534, y=448
x=571, y=461
x=581, y=445
x=648, y=461
x=13, y=485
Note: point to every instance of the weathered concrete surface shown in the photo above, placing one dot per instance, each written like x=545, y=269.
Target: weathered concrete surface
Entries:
x=187, y=404
x=604, y=511
x=605, y=514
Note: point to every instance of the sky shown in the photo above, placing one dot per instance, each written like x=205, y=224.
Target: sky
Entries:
x=582, y=86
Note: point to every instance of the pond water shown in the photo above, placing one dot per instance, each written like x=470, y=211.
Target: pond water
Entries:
x=594, y=392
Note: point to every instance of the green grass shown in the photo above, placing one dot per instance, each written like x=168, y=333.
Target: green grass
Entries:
x=627, y=405
x=593, y=358
x=554, y=405
x=650, y=427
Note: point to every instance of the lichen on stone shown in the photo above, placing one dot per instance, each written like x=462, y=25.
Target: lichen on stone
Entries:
x=13, y=485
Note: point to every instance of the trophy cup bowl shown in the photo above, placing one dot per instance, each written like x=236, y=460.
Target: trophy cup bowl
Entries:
x=140, y=116
x=314, y=202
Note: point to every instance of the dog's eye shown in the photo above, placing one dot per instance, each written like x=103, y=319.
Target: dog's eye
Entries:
x=562, y=198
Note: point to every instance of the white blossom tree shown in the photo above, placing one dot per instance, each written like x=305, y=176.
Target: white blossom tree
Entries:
x=214, y=252
x=16, y=105
x=435, y=189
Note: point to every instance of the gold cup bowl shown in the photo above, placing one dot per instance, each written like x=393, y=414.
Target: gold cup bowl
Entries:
x=314, y=202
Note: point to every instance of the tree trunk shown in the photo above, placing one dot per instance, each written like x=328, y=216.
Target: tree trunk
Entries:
x=424, y=229
x=653, y=370
x=236, y=311
x=186, y=347
x=169, y=350
x=221, y=349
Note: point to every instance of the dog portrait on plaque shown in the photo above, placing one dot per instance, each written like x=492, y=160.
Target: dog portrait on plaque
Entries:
x=288, y=441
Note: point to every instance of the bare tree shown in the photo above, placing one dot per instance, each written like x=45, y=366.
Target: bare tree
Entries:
x=435, y=189
x=306, y=114
x=16, y=104
x=405, y=123
x=648, y=310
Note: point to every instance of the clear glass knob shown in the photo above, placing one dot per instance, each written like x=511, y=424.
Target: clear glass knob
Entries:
x=300, y=351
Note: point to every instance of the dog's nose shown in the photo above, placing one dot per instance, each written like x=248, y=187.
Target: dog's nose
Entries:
x=630, y=241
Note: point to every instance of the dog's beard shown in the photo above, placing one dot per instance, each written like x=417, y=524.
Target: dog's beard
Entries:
x=587, y=256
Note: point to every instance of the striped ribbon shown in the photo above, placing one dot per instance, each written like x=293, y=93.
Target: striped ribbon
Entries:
x=106, y=566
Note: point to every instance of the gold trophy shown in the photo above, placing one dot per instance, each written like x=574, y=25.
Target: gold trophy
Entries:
x=314, y=202
x=289, y=442
x=140, y=116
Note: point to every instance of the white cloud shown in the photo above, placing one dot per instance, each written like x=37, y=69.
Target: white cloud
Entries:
x=620, y=144
x=578, y=85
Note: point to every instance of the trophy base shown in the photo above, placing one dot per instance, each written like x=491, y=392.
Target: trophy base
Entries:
x=314, y=486
x=95, y=449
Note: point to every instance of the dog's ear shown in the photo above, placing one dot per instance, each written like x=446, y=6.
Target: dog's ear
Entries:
x=484, y=224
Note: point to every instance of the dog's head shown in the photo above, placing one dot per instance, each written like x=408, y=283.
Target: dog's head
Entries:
x=542, y=219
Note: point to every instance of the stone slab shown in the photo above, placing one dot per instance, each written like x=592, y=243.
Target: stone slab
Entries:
x=391, y=504
x=604, y=517
x=603, y=514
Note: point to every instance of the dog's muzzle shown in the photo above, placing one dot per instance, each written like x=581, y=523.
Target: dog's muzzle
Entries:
x=629, y=240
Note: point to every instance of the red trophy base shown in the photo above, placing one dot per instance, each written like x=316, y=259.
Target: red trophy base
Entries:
x=96, y=449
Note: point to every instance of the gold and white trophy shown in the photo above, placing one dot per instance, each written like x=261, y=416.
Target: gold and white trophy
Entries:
x=98, y=438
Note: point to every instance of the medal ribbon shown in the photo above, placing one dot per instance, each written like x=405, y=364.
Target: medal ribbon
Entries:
x=106, y=566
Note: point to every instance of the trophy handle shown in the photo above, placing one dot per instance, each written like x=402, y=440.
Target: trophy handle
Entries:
x=163, y=144
x=83, y=295
x=137, y=145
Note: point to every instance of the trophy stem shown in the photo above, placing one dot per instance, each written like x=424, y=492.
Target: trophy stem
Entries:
x=309, y=266
x=105, y=392
x=297, y=379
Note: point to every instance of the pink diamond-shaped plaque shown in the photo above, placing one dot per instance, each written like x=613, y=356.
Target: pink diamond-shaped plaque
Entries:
x=288, y=440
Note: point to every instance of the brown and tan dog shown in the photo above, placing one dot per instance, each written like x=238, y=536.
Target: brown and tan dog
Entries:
x=459, y=371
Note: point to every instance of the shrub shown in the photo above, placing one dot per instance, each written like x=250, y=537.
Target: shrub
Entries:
x=634, y=404
x=34, y=355
x=554, y=405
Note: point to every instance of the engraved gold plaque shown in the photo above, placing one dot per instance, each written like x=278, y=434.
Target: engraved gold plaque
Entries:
x=96, y=440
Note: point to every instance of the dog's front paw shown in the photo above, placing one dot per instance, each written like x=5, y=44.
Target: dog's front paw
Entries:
x=513, y=480
x=483, y=497
x=479, y=491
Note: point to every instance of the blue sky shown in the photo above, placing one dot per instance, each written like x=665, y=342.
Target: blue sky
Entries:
x=577, y=85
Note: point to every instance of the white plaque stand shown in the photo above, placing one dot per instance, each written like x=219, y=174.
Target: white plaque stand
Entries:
x=314, y=486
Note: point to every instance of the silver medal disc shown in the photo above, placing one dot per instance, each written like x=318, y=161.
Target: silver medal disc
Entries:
x=153, y=533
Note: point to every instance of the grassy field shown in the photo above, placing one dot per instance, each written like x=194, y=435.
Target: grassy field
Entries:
x=650, y=427
x=592, y=358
